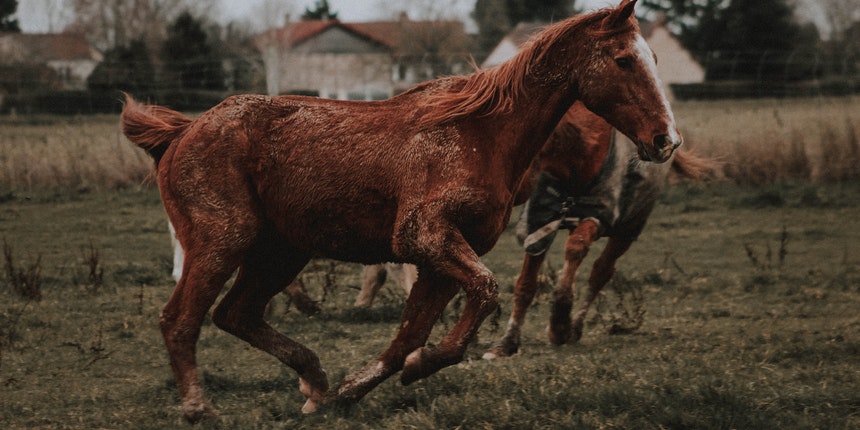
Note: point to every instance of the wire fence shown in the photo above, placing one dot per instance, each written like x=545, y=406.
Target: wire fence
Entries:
x=71, y=88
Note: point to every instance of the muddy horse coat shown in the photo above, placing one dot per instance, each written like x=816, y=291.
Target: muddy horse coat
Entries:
x=263, y=184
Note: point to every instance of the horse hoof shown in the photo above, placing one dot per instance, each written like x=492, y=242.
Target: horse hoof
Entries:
x=309, y=407
x=559, y=335
x=314, y=396
x=499, y=351
x=490, y=355
x=194, y=413
x=412, y=367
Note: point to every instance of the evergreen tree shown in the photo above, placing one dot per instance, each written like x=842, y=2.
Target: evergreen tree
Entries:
x=7, y=9
x=495, y=18
x=125, y=68
x=538, y=10
x=493, y=22
x=322, y=11
x=189, y=56
x=736, y=39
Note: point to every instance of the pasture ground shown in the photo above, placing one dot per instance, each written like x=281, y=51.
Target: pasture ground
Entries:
x=751, y=300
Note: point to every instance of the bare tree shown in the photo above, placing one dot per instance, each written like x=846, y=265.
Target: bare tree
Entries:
x=841, y=15
x=435, y=42
x=111, y=23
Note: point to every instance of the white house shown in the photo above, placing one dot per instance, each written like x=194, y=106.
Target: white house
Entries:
x=675, y=65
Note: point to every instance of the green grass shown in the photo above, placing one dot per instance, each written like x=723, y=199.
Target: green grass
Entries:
x=725, y=343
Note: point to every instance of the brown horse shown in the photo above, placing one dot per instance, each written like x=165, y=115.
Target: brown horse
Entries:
x=599, y=190
x=263, y=184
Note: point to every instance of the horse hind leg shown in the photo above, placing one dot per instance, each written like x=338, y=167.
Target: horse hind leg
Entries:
x=524, y=293
x=372, y=278
x=601, y=273
x=561, y=330
x=182, y=318
x=262, y=275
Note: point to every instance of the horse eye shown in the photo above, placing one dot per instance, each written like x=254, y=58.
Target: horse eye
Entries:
x=624, y=62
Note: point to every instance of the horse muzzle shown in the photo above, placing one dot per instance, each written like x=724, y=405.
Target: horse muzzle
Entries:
x=660, y=149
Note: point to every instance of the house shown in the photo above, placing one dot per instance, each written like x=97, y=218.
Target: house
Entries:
x=359, y=61
x=68, y=58
x=675, y=64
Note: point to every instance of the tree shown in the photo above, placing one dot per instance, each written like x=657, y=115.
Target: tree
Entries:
x=112, y=23
x=7, y=9
x=736, y=39
x=538, y=10
x=189, y=56
x=495, y=18
x=127, y=68
x=322, y=11
x=493, y=22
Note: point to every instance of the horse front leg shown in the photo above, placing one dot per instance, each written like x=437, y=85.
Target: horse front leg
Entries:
x=601, y=273
x=465, y=270
x=524, y=293
x=561, y=330
x=424, y=306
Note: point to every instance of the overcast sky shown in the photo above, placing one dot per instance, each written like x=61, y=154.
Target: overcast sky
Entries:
x=40, y=16
x=35, y=17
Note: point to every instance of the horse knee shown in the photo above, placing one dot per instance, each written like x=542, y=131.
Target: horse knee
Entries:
x=576, y=248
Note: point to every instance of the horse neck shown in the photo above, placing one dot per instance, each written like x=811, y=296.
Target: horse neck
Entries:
x=524, y=130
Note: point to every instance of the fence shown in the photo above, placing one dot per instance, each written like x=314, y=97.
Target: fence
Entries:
x=39, y=89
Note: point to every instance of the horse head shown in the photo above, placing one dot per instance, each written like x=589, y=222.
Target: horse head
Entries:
x=620, y=83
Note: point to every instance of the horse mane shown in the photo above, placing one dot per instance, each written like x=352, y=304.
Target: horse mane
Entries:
x=496, y=90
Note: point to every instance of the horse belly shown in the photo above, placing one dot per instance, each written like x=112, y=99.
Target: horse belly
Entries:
x=338, y=227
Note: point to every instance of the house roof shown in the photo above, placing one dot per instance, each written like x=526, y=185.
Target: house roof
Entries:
x=511, y=43
x=389, y=34
x=40, y=48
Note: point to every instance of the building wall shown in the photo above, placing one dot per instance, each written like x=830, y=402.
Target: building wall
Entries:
x=333, y=64
x=338, y=76
x=675, y=65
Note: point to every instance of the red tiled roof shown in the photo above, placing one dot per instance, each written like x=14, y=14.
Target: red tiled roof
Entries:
x=386, y=33
x=45, y=47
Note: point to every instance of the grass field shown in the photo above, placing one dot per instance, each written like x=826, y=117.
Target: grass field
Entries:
x=751, y=299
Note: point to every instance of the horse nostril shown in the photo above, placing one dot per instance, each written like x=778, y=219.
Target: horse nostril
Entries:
x=661, y=141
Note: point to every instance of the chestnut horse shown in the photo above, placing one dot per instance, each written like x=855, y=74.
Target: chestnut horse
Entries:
x=598, y=189
x=263, y=184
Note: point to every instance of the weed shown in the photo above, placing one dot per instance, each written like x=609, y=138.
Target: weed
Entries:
x=26, y=282
x=767, y=271
x=94, y=271
x=630, y=307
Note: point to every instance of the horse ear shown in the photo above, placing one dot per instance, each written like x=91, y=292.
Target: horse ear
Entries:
x=620, y=14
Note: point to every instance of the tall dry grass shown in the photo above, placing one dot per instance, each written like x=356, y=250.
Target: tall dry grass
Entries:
x=77, y=153
x=756, y=141
x=776, y=140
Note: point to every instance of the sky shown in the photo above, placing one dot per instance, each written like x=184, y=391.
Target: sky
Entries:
x=35, y=17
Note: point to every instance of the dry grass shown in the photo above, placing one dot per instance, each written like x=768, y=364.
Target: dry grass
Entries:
x=77, y=153
x=758, y=141
x=777, y=140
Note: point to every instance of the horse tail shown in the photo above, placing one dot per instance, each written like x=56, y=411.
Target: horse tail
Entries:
x=689, y=165
x=150, y=127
